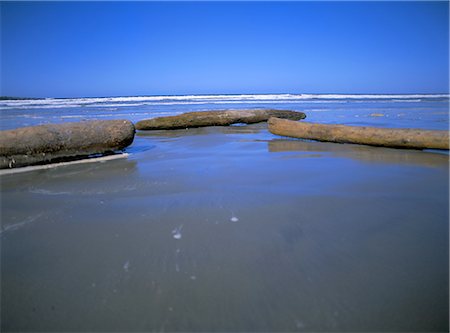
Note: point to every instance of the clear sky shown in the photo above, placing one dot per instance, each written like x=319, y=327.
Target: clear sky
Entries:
x=74, y=49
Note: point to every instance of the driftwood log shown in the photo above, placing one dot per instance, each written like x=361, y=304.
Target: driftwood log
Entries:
x=61, y=142
x=373, y=136
x=215, y=118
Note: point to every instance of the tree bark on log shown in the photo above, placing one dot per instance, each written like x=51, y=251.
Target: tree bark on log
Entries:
x=373, y=136
x=215, y=118
x=61, y=142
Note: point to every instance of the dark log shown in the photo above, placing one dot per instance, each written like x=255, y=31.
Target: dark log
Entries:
x=62, y=142
x=373, y=136
x=215, y=118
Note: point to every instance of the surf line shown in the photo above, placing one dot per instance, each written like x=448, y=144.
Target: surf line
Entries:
x=55, y=165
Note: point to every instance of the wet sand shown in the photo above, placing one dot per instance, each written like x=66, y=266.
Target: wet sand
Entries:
x=229, y=229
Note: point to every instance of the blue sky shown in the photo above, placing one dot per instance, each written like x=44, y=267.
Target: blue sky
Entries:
x=74, y=49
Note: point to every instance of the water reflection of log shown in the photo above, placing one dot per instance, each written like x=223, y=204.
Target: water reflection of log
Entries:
x=362, y=153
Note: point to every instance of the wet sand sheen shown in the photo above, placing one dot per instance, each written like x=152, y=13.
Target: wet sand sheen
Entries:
x=229, y=229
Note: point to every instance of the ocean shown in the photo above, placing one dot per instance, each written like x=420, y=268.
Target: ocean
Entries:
x=230, y=229
x=429, y=111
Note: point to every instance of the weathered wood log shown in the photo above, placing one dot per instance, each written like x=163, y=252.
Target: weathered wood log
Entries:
x=373, y=136
x=215, y=118
x=61, y=142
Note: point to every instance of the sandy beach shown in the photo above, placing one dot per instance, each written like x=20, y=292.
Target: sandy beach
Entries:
x=229, y=229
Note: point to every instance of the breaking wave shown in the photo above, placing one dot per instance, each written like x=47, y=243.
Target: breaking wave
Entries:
x=134, y=101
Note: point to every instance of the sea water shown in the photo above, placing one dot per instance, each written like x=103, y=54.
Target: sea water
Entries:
x=428, y=111
x=229, y=228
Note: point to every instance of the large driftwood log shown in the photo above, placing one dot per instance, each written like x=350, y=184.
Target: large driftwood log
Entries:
x=59, y=142
x=385, y=137
x=215, y=118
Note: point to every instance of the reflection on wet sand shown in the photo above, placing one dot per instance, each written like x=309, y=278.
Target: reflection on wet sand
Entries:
x=361, y=152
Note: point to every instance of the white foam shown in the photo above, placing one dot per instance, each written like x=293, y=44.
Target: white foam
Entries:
x=70, y=117
x=132, y=101
x=372, y=96
x=18, y=225
x=47, y=192
x=176, y=233
x=126, y=266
